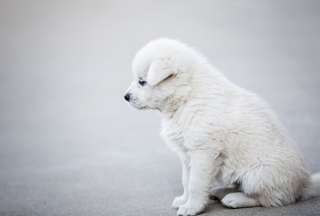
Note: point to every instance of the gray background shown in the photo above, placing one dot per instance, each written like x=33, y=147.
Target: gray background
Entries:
x=70, y=145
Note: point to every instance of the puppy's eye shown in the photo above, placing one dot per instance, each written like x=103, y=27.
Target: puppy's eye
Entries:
x=169, y=77
x=142, y=82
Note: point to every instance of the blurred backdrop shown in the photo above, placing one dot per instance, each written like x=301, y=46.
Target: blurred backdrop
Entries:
x=70, y=145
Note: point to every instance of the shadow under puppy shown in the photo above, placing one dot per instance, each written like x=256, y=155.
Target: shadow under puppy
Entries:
x=223, y=134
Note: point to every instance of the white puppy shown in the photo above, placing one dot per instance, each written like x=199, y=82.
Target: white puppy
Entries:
x=222, y=133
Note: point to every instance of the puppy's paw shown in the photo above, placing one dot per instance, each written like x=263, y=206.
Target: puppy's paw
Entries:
x=238, y=200
x=230, y=201
x=178, y=201
x=219, y=192
x=190, y=209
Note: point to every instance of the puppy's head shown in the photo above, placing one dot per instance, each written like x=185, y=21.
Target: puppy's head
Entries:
x=160, y=71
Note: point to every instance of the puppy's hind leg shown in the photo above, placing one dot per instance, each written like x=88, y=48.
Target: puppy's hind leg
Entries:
x=239, y=200
x=219, y=192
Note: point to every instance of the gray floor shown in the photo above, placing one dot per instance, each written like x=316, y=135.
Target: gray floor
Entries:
x=70, y=145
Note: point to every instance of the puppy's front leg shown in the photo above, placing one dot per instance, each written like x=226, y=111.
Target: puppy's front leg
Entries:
x=185, y=163
x=202, y=172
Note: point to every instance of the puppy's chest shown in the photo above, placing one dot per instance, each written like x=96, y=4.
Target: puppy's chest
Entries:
x=172, y=134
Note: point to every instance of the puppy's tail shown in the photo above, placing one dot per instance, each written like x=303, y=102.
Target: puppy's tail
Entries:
x=313, y=188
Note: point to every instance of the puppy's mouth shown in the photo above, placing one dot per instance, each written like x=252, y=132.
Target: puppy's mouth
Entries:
x=140, y=107
x=137, y=105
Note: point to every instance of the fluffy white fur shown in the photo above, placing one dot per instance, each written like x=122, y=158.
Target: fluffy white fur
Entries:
x=224, y=135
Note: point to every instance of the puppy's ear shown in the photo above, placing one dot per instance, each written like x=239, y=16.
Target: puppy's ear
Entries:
x=158, y=71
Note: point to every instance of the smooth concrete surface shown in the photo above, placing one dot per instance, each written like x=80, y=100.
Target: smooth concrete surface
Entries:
x=71, y=146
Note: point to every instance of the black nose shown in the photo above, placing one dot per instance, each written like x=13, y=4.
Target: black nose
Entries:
x=127, y=97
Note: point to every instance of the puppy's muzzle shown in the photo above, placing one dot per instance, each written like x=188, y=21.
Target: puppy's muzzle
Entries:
x=127, y=97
